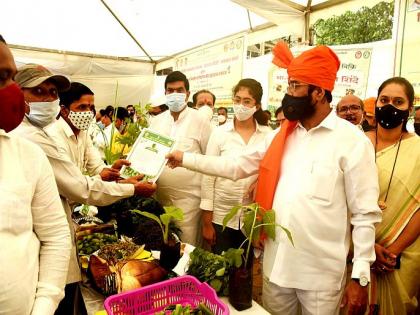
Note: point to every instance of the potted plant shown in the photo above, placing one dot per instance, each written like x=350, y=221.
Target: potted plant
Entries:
x=170, y=252
x=256, y=222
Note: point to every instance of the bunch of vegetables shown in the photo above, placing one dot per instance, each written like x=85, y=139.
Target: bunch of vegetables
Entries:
x=91, y=243
x=178, y=309
x=214, y=269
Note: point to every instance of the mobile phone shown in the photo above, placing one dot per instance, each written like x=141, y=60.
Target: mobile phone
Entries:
x=398, y=262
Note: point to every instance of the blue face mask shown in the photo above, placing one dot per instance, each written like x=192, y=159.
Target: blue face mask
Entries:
x=176, y=101
x=42, y=114
x=101, y=125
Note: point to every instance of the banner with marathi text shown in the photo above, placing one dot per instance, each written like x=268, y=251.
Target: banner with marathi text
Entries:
x=352, y=76
x=217, y=69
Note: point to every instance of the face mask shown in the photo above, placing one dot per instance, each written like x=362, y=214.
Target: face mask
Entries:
x=42, y=114
x=296, y=108
x=390, y=117
x=176, y=101
x=221, y=118
x=417, y=128
x=101, y=125
x=81, y=120
x=121, y=128
x=242, y=112
x=12, y=107
x=206, y=111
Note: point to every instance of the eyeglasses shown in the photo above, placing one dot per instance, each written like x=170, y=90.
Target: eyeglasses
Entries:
x=294, y=85
x=352, y=108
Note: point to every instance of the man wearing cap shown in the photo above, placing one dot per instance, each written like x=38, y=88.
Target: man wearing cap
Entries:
x=34, y=234
x=318, y=173
x=350, y=108
x=40, y=89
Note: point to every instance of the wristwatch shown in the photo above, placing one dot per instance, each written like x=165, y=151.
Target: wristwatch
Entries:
x=363, y=281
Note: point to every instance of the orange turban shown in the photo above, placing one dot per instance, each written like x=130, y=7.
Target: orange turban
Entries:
x=317, y=66
x=369, y=105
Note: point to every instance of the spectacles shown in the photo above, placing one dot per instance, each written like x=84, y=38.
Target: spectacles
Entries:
x=294, y=85
x=352, y=108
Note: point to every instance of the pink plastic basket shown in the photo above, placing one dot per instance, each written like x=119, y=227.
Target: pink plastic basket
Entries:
x=154, y=298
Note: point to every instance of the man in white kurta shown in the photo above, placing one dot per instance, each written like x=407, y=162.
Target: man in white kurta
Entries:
x=328, y=182
x=191, y=130
x=34, y=234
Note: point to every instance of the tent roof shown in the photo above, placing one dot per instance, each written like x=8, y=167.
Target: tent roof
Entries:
x=142, y=29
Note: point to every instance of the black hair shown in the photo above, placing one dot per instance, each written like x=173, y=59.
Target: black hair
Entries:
x=223, y=108
x=176, y=76
x=74, y=93
x=201, y=92
x=121, y=113
x=131, y=106
x=328, y=94
x=254, y=87
x=102, y=112
x=408, y=89
x=2, y=39
x=278, y=111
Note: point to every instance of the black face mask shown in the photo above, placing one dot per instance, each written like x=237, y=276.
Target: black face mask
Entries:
x=417, y=128
x=390, y=117
x=296, y=108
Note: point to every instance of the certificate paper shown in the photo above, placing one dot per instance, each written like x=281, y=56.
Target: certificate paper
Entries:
x=148, y=155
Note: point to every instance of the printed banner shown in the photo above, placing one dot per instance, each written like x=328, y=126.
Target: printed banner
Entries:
x=217, y=69
x=351, y=78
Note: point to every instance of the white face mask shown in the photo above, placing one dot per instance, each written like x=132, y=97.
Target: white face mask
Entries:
x=176, y=101
x=221, y=118
x=81, y=120
x=242, y=112
x=42, y=114
x=206, y=111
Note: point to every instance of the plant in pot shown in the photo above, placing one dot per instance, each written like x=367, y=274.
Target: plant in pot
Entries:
x=257, y=222
x=170, y=252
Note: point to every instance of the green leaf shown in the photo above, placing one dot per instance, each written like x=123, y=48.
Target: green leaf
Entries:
x=270, y=219
x=165, y=218
x=174, y=212
x=220, y=272
x=230, y=215
x=248, y=222
x=289, y=235
x=216, y=284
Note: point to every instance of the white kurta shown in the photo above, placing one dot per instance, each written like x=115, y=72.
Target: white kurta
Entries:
x=79, y=149
x=34, y=235
x=220, y=194
x=181, y=187
x=329, y=181
x=73, y=186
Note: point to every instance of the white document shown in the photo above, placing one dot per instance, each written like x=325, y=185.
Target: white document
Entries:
x=147, y=155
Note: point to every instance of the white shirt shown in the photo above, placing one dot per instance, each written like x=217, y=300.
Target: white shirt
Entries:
x=73, y=186
x=329, y=180
x=219, y=194
x=103, y=139
x=191, y=131
x=79, y=149
x=34, y=234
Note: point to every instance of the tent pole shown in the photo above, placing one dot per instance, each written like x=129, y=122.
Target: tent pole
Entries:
x=307, y=20
x=249, y=20
x=126, y=29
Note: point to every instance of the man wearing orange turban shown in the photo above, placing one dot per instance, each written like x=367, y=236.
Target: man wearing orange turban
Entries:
x=319, y=175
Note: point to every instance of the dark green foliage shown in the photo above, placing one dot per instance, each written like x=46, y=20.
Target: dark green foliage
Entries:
x=214, y=269
x=365, y=25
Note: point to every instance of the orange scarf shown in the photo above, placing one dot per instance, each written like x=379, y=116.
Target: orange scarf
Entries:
x=269, y=173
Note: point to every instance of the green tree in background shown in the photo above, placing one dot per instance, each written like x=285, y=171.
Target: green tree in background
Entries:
x=365, y=25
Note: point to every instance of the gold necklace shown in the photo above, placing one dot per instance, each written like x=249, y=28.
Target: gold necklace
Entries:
x=382, y=203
